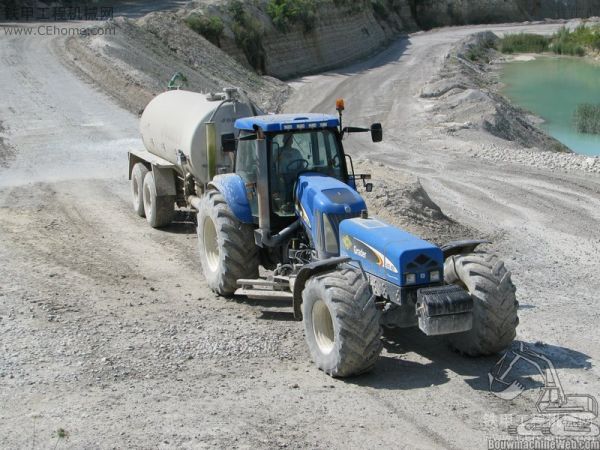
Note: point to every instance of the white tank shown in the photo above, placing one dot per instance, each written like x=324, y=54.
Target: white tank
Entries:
x=176, y=120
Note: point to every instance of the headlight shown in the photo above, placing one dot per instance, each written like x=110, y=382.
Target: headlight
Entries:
x=411, y=278
x=331, y=244
x=434, y=276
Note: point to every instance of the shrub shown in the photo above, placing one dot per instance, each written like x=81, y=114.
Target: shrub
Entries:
x=248, y=33
x=523, y=43
x=565, y=42
x=236, y=9
x=379, y=9
x=209, y=27
x=286, y=13
x=587, y=118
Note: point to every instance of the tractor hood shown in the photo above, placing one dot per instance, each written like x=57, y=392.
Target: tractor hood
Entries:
x=390, y=253
x=322, y=202
x=317, y=193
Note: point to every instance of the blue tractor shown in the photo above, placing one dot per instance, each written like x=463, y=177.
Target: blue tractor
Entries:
x=284, y=220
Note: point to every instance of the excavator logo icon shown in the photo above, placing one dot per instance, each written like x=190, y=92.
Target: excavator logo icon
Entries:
x=558, y=414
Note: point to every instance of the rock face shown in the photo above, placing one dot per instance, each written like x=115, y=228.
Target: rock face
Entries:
x=342, y=31
x=339, y=37
x=437, y=13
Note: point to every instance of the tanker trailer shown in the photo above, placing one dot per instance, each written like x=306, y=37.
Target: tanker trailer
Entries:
x=188, y=138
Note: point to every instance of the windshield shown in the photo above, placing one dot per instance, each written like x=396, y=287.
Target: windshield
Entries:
x=301, y=151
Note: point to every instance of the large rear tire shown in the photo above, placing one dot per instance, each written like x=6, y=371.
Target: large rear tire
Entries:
x=137, y=188
x=227, y=249
x=159, y=210
x=494, y=303
x=341, y=327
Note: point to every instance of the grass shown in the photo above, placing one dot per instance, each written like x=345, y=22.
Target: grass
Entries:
x=577, y=42
x=587, y=118
x=523, y=43
x=60, y=434
x=211, y=28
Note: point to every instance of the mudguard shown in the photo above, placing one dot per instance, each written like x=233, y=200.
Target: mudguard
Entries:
x=460, y=247
x=233, y=188
x=308, y=271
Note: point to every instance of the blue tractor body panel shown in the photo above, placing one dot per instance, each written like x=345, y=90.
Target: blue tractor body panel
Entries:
x=287, y=122
x=323, y=201
x=389, y=252
x=234, y=190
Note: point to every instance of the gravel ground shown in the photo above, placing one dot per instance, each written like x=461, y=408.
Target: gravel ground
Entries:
x=109, y=337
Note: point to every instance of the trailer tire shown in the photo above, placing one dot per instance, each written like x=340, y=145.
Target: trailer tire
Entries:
x=137, y=188
x=341, y=323
x=495, y=305
x=159, y=210
x=226, y=245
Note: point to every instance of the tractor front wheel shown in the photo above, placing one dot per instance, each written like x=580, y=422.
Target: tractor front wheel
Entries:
x=227, y=249
x=494, y=303
x=341, y=326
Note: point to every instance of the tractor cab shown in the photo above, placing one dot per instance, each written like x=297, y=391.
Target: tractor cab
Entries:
x=295, y=144
x=296, y=173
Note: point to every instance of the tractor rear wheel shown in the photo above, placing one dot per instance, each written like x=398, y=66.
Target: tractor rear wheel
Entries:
x=341, y=327
x=494, y=302
x=137, y=188
x=227, y=249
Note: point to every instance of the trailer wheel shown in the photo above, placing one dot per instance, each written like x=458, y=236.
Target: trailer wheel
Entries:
x=159, y=210
x=494, y=303
x=227, y=249
x=340, y=324
x=137, y=188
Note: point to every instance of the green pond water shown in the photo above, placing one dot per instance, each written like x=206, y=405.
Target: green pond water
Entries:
x=552, y=88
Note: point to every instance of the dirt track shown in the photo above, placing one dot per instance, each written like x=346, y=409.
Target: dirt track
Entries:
x=109, y=332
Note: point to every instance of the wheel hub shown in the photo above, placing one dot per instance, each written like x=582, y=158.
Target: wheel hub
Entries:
x=211, y=244
x=323, y=327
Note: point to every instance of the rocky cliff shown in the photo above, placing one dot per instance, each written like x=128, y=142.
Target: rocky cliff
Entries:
x=335, y=33
x=438, y=13
x=307, y=36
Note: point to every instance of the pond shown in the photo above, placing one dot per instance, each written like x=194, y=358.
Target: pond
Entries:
x=552, y=88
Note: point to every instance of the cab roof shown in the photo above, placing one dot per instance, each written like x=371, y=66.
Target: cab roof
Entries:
x=287, y=122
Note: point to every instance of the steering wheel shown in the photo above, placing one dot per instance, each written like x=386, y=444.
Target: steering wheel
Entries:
x=335, y=161
x=300, y=163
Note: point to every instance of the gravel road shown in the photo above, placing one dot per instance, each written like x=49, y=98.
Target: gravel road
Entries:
x=110, y=338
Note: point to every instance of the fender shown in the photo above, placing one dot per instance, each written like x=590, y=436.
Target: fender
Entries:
x=233, y=188
x=308, y=271
x=459, y=247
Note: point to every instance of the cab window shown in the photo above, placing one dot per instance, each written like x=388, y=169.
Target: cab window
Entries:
x=292, y=153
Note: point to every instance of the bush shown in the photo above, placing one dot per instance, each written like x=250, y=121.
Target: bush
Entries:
x=236, y=9
x=587, y=118
x=248, y=33
x=523, y=43
x=209, y=27
x=287, y=13
x=379, y=9
x=565, y=42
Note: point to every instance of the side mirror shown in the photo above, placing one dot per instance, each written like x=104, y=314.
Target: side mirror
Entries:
x=228, y=143
x=376, y=132
x=369, y=187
